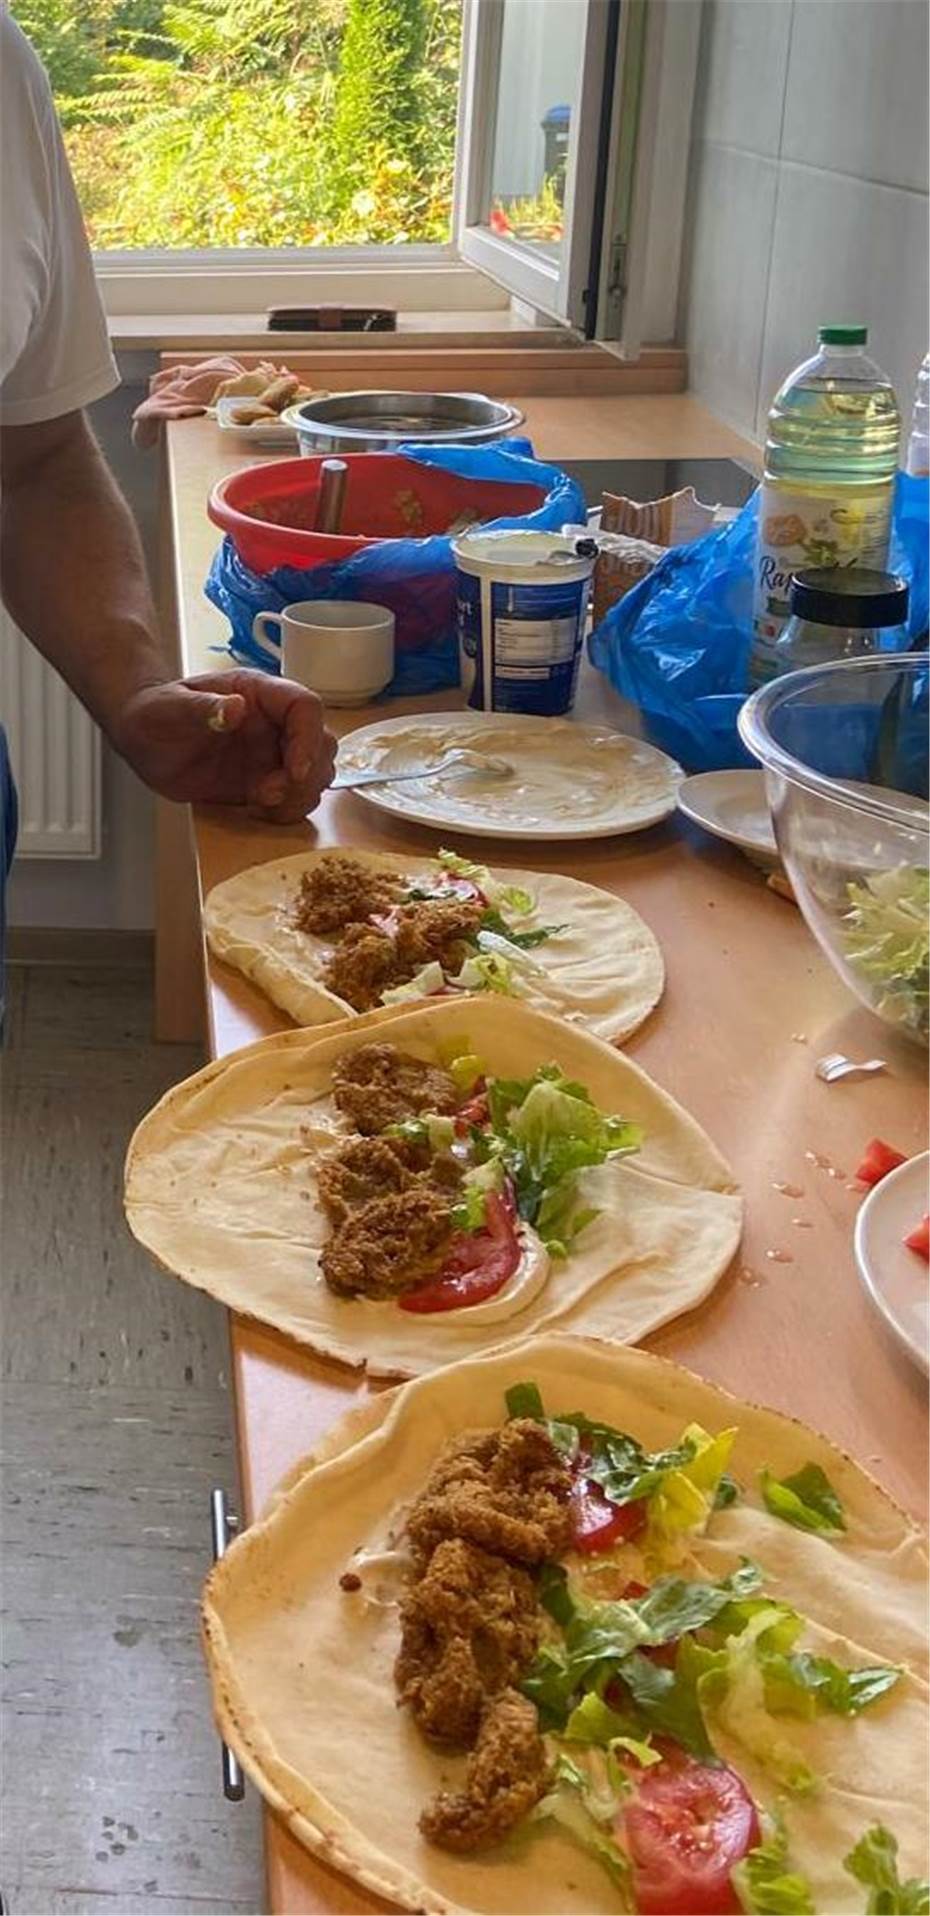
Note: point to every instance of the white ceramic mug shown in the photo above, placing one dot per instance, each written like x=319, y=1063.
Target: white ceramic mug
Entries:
x=341, y=648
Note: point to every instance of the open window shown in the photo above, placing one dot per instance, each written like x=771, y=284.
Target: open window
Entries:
x=572, y=149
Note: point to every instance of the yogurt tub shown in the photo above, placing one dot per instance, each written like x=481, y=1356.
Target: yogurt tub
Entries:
x=522, y=603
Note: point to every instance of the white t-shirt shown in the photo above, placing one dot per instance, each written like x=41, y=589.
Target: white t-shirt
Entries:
x=54, y=351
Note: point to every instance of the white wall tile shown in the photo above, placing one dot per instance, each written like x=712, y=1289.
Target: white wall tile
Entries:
x=856, y=98
x=844, y=249
x=733, y=201
x=744, y=58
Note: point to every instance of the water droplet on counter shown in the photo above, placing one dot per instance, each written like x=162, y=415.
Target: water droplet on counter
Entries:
x=749, y=1277
x=803, y=1223
x=833, y=1171
x=856, y=1185
x=780, y=1257
x=799, y=1037
x=788, y=1190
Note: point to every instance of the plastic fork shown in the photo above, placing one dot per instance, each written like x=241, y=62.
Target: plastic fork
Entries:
x=836, y=1066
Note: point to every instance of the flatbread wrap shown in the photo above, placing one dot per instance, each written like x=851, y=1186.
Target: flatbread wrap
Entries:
x=417, y=1185
x=716, y=1701
x=326, y=934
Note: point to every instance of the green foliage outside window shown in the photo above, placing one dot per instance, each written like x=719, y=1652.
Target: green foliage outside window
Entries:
x=198, y=123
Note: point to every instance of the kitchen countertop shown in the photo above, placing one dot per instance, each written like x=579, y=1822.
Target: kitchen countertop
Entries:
x=749, y=1006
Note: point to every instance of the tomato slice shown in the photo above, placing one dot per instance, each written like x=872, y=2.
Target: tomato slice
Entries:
x=458, y=887
x=879, y=1158
x=919, y=1239
x=596, y=1522
x=688, y=1826
x=478, y=1264
x=474, y=1111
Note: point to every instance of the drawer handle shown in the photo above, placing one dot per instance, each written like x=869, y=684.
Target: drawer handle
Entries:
x=223, y=1525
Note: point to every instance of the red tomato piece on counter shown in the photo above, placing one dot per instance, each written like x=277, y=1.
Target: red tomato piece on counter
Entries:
x=919, y=1239
x=478, y=1264
x=596, y=1522
x=879, y=1158
x=688, y=1826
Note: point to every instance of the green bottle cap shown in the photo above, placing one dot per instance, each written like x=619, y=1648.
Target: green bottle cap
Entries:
x=843, y=335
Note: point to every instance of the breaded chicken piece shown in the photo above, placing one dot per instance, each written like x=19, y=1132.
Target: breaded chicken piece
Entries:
x=434, y=930
x=362, y=966
x=506, y=1774
x=506, y=1490
x=469, y=1626
x=390, y=1245
x=340, y=891
x=378, y=1085
x=365, y=1168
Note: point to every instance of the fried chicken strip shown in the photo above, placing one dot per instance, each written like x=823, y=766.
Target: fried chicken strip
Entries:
x=390, y=1245
x=378, y=1085
x=506, y=1490
x=469, y=1626
x=507, y=1773
x=340, y=891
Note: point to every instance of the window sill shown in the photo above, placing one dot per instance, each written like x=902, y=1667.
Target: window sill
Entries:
x=248, y=332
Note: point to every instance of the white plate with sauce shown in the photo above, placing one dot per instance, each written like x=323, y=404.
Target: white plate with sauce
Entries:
x=897, y=1279
x=732, y=805
x=569, y=781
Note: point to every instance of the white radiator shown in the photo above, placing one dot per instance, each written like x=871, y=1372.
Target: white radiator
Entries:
x=55, y=751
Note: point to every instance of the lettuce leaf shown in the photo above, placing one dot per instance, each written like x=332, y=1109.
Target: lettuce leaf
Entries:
x=765, y=1883
x=488, y=971
x=587, y=1814
x=429, y=979
x=804, y=1685
x=888, y=941
x=874, y=1862
x=435, y=1132
x=807, y=1499
x=496, y=925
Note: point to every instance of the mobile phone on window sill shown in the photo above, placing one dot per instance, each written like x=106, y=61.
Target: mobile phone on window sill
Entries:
x=332, y=319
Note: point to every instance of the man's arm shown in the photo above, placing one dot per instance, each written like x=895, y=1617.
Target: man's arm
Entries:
x=74, y=577
x=74, y=580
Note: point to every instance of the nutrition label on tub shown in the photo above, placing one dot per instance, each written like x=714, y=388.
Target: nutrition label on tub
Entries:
x=529, y=648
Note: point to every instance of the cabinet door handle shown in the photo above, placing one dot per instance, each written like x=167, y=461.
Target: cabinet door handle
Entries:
x=223, y=1525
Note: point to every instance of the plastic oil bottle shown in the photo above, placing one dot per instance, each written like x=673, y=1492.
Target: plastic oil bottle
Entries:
x=831, y=454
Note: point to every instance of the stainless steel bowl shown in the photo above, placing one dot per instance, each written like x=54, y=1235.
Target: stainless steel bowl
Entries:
x=382, y=421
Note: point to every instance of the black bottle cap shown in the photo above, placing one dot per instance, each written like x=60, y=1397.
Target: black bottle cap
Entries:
x=849, y=595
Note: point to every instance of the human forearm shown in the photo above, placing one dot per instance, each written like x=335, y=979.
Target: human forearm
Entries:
x=73, y=572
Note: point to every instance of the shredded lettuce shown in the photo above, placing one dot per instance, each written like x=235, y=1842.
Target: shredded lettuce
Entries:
x=427, y=980
x=469, y=1209
x=500, y=945
x=494, y=921
x=435, y=1132
x=887, y=941
x=488, y=971
x=550, y=1131
x=587, y=1811
x=804, y=1685
x=505, y=897
x=807, y=1499
x=593, y=1721
x=874, y=1862
x=765, y=1883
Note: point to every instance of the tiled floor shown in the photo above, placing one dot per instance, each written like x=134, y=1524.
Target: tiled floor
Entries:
x=115, y=1425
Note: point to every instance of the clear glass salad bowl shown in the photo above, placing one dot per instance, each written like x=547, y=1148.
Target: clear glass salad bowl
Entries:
x=844, y=750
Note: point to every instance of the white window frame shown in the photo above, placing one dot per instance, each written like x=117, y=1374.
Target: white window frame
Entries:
x=554, y=286
x=646, y=184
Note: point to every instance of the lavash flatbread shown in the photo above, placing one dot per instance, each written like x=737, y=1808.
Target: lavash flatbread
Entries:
x=220, y=1186
x=302, y=1674
x=604, y=970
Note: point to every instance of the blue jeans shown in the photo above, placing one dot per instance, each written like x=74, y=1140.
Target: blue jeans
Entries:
x=9, y=819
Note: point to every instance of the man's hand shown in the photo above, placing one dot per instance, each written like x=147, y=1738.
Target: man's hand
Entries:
x=230, y=738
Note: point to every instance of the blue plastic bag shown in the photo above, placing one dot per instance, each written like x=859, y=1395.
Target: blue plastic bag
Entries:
x=678, y=644
x=414, y=577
